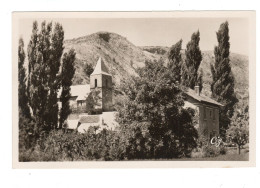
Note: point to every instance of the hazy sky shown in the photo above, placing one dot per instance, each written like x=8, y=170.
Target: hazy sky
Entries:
x=154, y=31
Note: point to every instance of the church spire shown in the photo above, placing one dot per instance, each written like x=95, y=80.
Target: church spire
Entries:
x=100, y=68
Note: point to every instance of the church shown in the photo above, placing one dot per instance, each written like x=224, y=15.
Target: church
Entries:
x=104, y=116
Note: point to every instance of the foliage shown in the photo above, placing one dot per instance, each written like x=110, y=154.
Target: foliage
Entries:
x=38, y=56
x=56, y=51
x=22, y=94
x=175, y=60
x=238, y=131
x=200, y=79
x=213, y=151
x=192, y=62
x=93, y=101
x=88, y=68
x=154, y=100
x=63, y=145
x=67, y=74
x=27, y=132
x=45, y=50
x=222, y=86
x=105, y=36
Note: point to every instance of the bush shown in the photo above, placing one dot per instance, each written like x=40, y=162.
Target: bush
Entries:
x=211, y=151
x=105, y=36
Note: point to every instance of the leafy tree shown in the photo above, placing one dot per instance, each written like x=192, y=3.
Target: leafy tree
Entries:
x=222, y=86
x=88, y=68
x=238, y=131
x=153, y=101
x=57, y=38
x=93, y=101
x=22, y=90
x=67, y=73
x=175, y=60
x=200, y=79
x=45, y=50
x=105, y=36
x=39, y=51
x=31, y=52
x=192, y=62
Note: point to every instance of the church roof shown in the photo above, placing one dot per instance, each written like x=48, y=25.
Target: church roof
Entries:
x=100, y=68
x=201, y=98
x=79, y=91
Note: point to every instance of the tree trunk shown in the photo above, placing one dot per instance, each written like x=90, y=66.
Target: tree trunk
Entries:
x=239, y=148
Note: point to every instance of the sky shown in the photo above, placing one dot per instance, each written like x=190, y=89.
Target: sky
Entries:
x=153, y=31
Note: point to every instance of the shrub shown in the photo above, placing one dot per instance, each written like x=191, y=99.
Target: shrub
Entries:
x=223, y=150
x=105, y=36
x=211, y=151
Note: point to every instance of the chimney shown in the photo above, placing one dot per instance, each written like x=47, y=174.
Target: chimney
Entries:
x=197, y=90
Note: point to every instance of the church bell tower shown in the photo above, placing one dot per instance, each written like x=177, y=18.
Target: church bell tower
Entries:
x=101, y=81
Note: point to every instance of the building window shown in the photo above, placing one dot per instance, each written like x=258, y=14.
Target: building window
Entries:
x=205, y=112
x=95, y=82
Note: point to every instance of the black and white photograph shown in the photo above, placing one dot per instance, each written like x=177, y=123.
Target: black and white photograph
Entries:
x=133, y=87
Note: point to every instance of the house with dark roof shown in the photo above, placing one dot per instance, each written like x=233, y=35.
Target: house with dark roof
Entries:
x=207, y=112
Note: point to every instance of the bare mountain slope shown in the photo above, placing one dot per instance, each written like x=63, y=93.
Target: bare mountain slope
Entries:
x=119, y=55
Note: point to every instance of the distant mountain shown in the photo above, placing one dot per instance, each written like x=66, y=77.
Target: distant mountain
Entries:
x=122, y=58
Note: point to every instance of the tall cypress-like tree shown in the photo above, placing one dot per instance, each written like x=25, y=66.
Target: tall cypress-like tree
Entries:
x=39, y=58
x=22, y=90
x=68, y=71
x=222, y=86
x=200, y=79
x=31, y=53
x=44, y=55
x=175, y=60
x=57, y=38
x=193, y=59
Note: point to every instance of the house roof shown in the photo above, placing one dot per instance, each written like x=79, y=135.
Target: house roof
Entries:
x=79, y=91
x=201, y=98
x=100, y=68
x=89, y=119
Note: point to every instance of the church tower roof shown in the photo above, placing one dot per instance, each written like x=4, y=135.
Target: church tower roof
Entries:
x=100, y=68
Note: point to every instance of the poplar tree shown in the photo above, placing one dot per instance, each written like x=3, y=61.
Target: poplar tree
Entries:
x=31, y=54
x=222, y=86
x=175, y=60
x=45, y=50
x=67, y=73
x=192, y=62
x=39, y=58
x=22, y=92
x=53, y=77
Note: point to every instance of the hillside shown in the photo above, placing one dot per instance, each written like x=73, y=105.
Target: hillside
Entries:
x=119, y=55
x=122, y=58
